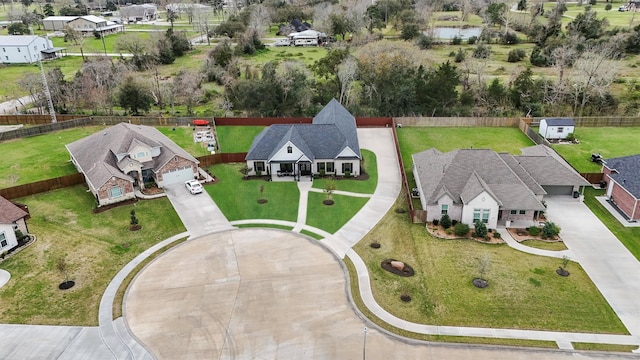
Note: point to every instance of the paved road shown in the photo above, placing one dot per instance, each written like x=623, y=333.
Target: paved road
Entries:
x=608, y=263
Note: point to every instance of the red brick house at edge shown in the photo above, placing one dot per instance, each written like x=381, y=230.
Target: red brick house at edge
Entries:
x=622, y=176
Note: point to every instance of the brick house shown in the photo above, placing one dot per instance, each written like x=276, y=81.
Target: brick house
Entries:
x=117, y=160
x=622, y=176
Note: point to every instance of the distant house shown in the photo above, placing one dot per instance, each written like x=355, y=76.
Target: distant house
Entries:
x=12, y=219
x=85, y=24
x=124, y=156
x=135, y=13
x=558, y=128
x=329, y=145
x=622, y=176
x=473, y=185
x=26, y=49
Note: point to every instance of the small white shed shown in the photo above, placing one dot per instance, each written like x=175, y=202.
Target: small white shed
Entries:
x=556, y=128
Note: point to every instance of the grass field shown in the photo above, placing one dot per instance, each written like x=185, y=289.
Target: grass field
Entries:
x=95, y=247
x=545, y=245
x=369, y=165
x=235, y=139
x=610, y=142
x=238, y=199
x=524, y=291
x=12, y=74
x=332, y=218
x=628, y=236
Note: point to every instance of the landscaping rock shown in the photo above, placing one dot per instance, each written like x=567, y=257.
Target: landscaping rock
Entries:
x=406, y=269
x=397, y=265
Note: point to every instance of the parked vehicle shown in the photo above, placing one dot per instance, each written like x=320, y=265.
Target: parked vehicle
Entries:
x=305, y=42
x=193, y=186
x=282, y=42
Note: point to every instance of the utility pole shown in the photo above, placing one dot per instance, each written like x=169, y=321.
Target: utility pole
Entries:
x=47, y=93
x=364, y=345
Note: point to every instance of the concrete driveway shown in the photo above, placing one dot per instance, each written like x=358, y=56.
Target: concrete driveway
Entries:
x=614, y=270
x=269, y=294
x=199, y=213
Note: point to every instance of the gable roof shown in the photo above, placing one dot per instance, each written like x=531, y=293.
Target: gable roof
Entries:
x=465, y=173
x=627, y=173
x=559, y=122
x=97, y=154
x=17, y=40
x=332, y=130
x=9, y=212
x=547, y=167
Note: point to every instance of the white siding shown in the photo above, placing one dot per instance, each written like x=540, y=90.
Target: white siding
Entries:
x=24, y=54
x=482, y=201
x=10, y=237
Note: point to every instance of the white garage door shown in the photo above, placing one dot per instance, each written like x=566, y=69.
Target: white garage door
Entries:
x=177, y=176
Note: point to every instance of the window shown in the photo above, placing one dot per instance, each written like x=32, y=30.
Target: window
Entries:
x=259, y=165
x=4, y=50
x=321, y=166
x=481, y=215
x=330, y=168
x=18, y=49
x=115, y=192
x=444, y=209
x=346, y=167
x=286, y=167
x=560, y=130
x=513, y=212
x=522, y=212
x=289, y=149
x=3, y=240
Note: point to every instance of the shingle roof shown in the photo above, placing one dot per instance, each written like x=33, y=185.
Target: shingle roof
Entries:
x=10, y=212
x=332, y=130
x=97, y=154
x=547, y=167
x=17, y=40
x=559, y=122
x=627, y=173
x=465, y=173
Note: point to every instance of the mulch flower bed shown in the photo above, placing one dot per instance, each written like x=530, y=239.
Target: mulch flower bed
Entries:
x=262, y=201
x=328, y=202
x=406, y=272
x=480, y=283
x=520, y=235
x=66, y=285
x=440, y=232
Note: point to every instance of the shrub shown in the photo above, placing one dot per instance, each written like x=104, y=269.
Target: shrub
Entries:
x=472, y=40
x=449, y=231
x=454, y=222
x=456, y=40
x=571, y=137
x=509, y=38
x=516, y=55
x=607, y=7
x=347, y=174
x=533, y=230
x=460, y=55
x=497, y=235
x=435, y=222
x=482, y=51
x=461, y=229
x=445, y=221
x=550, y=230
x=425, y=42
x=480, y=229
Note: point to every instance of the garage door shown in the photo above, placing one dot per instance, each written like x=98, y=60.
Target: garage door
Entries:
x=177, y=176
x=558, y=190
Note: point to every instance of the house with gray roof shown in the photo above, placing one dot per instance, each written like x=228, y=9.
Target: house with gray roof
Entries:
x=12, y=218
x=473, y=185
x=142, y=12
x=622, y=176
x=26, y=49
x=327, y=146
x=124, y=156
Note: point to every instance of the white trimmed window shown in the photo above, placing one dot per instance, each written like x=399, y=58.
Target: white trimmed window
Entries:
x=444, y=209
x=481, y=215
x=115, y=192
x=3, y=240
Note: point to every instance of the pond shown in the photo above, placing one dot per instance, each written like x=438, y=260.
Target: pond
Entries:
x=450, y=32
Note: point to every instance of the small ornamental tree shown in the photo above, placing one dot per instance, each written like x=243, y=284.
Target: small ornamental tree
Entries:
x=483, y=265
x=480, y=229
x=329, y=188
x=445, y=221
x=245, y=170
x=134, y=219
x=61, y=266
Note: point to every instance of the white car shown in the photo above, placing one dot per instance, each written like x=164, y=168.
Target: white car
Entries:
x=193, y=186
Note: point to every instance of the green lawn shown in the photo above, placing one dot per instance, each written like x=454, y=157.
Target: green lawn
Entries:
x=610, y=142
x=93, y=45
x=368, y=186
x=524, y=291
x=39, y=157
x=183, y=137
x=332, y=218
x=12, y=74
x=306, y=55
x=545, y=245
x=238, y=199
x=95, y=247
x=234, y=139
x=629, y=236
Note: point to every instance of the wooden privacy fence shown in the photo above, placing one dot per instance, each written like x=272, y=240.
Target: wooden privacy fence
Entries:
x=35, y=119
x=593, y=178
x=222, y=158
x=535, y=137
x=42, y=186
x=456, y=121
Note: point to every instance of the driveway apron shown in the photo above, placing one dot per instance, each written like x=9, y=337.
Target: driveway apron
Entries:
x=614, y=270
x=199, y=213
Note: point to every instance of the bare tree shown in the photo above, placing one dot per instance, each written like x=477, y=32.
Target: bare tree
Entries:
x=260, y=19
x=347, y=72
x=592, y=74
x=187, y=89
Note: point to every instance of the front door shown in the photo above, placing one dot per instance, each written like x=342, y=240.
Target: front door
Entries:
x=305, y=168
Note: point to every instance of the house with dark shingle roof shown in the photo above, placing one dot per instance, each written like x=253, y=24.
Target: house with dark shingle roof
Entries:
x=473, y=185
x=12, y=218
x=622, y=176
x=124, y=156
x=329, y=145
x=556, y=128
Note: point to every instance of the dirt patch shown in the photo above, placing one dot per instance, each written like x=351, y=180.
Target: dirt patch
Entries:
x=154, y=190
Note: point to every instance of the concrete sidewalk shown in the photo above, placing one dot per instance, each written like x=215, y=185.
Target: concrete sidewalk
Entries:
x=506, y=236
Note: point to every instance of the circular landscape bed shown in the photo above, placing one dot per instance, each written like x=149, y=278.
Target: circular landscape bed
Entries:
x=405, y=298
x=66, y=285
x=327, y=202
x=563, y=272
x=397, y=267
x=375, y=245
x=480, y=283
x=262, y=201
x=135, y=227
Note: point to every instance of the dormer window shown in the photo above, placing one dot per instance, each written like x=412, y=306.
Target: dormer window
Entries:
x=289, y=149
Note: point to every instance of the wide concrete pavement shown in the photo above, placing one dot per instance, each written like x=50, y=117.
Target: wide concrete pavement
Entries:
x=613, y=269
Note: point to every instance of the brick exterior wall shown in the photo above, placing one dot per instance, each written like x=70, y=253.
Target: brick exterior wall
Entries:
x=625, y=201
x=175, y=163
x=103, y=192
